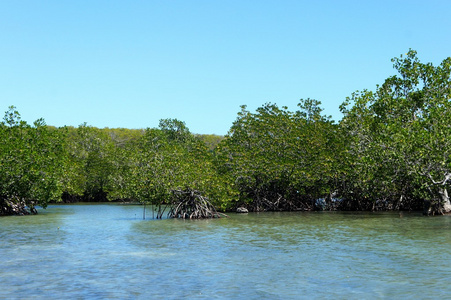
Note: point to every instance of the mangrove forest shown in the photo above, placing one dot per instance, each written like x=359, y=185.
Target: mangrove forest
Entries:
x=390, y=151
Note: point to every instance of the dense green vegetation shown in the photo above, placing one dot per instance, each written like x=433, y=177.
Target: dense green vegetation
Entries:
x=391, y=151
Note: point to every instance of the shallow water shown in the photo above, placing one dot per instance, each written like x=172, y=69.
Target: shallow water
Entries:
x=109, y=251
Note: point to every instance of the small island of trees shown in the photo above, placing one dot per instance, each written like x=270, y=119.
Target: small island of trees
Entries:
x=390, y=151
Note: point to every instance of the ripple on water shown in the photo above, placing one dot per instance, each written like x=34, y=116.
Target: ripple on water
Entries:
x=105, y=251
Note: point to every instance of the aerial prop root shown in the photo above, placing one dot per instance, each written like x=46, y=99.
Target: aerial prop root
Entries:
x=190, y=204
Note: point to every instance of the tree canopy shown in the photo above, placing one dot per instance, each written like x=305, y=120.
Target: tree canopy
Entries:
x=391, y=151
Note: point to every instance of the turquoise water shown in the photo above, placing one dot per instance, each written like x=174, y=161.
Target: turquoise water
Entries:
x=109, y=251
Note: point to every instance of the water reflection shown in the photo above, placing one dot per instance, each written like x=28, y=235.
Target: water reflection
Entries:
x=108, y=251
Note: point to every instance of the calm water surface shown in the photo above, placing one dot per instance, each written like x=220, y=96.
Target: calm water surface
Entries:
x=109, y=251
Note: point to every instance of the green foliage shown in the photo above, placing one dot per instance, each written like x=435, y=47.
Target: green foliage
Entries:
x=280, y=159
x=171, y=158
x=390, y=151
x=30, y=159
x=211, y=140
x=400, y=136
x=98, y=162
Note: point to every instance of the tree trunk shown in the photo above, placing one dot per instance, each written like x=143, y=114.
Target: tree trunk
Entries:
x=446, y=204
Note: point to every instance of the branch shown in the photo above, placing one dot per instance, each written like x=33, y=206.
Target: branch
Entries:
x=443, y=182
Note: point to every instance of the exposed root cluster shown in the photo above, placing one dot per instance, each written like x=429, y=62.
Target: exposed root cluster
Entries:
x=16, y=207
x=190, y=204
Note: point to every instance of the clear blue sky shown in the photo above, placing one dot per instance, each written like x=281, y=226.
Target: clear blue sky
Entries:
x=131, y=63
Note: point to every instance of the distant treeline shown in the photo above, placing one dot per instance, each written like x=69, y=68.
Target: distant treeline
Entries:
x=391, y=151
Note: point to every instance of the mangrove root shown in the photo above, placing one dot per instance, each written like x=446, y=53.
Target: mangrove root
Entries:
x=190, y=204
